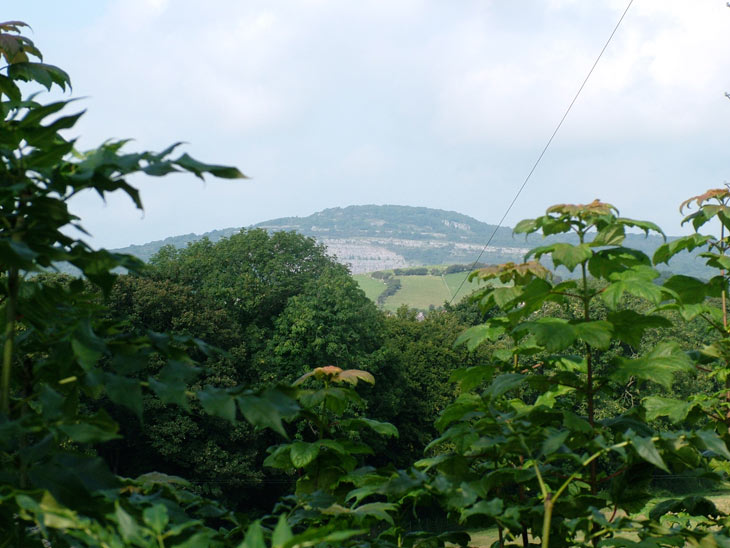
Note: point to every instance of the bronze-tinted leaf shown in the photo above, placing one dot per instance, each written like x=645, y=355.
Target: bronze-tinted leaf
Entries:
x=719, y=194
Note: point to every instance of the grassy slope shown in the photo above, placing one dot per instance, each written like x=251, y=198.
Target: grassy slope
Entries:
x=372, y=287
x=419, y=292
x=455, y=279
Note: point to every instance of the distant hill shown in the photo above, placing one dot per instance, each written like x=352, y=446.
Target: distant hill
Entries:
x=370, y=238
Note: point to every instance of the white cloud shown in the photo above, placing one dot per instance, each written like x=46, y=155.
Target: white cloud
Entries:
x=382, y=101
x=510, y=83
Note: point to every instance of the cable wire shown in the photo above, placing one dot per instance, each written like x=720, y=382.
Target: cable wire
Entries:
x=544, y=150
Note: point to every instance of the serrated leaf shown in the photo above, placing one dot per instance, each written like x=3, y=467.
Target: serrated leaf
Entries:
x=218, y=402
x=302, y=453
x=378, y=510
x=638, y=287
x=613, y=234
x=570, y=256
x=687, y=243
x=254, y=537
x=282, y=533
x=659, y=365
x=646, y=449
x=629, y=326
x=503, y=384
x=490, y=508
x=156, y=517
x=124, y=391
x=554, y=334
x=127, y=526
x=674, y=410
x=713, y=442
x=46, y=75
x=597, y=333
x=199, y=168
x=553, y=442
x=382, y=428
x=261, y=412
x=690, y=290
x=471, y=377
x=476, y=335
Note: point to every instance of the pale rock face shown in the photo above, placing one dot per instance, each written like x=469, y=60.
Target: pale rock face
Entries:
x=369, y=254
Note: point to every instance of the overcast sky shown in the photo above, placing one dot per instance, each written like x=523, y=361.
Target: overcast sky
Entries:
x=327, y=103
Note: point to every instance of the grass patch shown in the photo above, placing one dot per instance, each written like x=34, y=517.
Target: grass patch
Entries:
x=419, y=292
x=372, y=287
x=454, y=280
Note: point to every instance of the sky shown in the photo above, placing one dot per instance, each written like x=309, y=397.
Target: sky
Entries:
x=330, y=103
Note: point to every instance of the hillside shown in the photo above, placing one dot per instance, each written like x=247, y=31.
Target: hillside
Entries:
x=370, y=238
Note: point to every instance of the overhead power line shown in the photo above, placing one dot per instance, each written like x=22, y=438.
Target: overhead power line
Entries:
x=544, y=150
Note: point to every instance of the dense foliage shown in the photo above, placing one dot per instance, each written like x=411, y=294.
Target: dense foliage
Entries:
x=571, y=395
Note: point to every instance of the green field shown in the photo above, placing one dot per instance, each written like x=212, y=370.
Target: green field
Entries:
x=453, y=281
x=372, y=287
x=419, y=292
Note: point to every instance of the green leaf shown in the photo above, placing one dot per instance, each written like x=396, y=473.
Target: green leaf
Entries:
x=553, y=442
x=612, y=234
x=687, y=243
x=127, y=526
x=254, y=537
x=629, y=326
x=675, y=410
x=199, y=168
x=474, y=336
x=282, y=533
x=570, y=255
x=526, y=226
x=97, y=428
x=658, y=365
x=279, y=457
x=646, y=226
x=471, y=377
x=261, y=412
x=554, y=334
x=616, y=260
x=382, y=428
x=8, y=87
x=597, y=333
x=302, y=453
x=637, y=286
x=218, y=402
x=170, y=391
x=490, y=508
x=576, y=423
x=51, y=402
x=124, y=391
x=713, y=442
x=503, y=384
x=690, y=290
x=45, y=75
x=378, y=510
x=646, y=450
x=87, y=356
x=156, y=517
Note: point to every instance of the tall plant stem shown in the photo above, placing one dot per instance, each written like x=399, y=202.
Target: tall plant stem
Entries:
x=586, y=298
x=10, y=313
x=551, y=498
x=722, y=272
